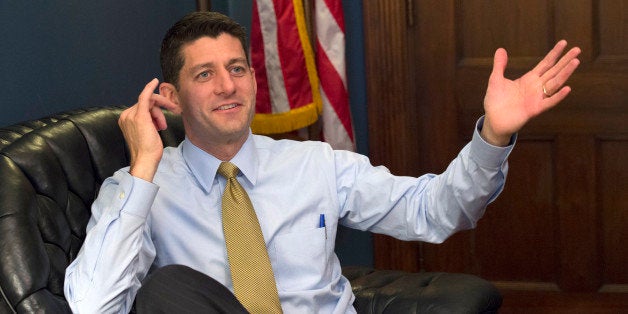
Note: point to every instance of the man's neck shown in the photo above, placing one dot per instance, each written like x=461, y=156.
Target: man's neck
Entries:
x=222, y=150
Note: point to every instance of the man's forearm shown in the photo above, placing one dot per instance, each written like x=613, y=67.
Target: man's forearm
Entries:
x=117, y=250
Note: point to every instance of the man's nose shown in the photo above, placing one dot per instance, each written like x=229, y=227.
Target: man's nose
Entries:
x=224, y=83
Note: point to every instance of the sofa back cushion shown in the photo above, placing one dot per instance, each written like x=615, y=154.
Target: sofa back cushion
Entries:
x=52, y=169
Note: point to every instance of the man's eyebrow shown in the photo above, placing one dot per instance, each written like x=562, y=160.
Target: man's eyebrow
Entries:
x=207, y=65
x=237, y=60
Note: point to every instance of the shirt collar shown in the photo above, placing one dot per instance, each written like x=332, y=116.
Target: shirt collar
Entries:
x=204, y=166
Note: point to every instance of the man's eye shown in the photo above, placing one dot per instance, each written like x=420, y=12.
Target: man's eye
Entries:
x=238, y=70
x=204, y=75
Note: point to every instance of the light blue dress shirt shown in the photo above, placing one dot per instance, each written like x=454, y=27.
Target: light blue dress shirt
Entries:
x=137, y=226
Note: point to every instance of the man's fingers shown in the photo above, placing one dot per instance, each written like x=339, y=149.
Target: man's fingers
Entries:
x=148, y=99
x=143, y=101
x=558, y=79
x=565, y=64
x=160, y=102
x=149, y=105
x=159, y=119
x=165, y=103
x=550, y=59
x=555, y=98
x=500, y=61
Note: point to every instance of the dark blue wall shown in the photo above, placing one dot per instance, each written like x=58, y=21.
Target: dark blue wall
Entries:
x=356, y=247
x=58, y=55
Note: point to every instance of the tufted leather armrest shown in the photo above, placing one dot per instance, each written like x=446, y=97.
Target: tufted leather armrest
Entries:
x=51, y=170
x=388, y=291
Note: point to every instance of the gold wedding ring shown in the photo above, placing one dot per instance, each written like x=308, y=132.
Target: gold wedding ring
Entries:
x=545, y=92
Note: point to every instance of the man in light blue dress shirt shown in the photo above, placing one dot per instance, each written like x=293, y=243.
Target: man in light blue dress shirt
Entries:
x=165, y=209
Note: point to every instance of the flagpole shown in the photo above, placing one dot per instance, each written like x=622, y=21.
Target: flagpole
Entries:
x=203, y=5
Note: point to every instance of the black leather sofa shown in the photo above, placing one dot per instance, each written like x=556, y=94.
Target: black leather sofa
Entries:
x=51, y=171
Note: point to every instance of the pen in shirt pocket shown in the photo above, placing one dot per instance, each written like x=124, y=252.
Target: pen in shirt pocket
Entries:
x=321, y=223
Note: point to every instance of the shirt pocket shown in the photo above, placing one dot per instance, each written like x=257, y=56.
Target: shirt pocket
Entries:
x=302, y=260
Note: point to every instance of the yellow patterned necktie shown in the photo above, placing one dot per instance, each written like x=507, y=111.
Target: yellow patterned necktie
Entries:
x=253, y=279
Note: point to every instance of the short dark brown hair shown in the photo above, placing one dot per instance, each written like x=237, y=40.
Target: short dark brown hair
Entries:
x=190, y=28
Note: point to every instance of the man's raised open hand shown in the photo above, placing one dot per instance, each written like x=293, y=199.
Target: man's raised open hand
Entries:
x=509, y=104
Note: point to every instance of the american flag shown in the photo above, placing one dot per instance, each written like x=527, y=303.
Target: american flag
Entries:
x=295, y=83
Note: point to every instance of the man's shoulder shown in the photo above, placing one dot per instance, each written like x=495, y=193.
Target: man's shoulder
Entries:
x=267, y=143
x=171, y=162
x=171, y=154
x=312, y=151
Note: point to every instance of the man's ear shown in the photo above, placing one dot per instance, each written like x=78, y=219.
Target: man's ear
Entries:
x=170, y=91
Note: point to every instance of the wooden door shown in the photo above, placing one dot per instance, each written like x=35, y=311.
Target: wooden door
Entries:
x=557, y=236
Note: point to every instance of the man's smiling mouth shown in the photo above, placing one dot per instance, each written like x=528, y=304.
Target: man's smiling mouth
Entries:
x=227, y=107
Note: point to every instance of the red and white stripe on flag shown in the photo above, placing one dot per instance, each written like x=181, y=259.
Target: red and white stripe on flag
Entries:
x=330, y=63
x=288, y=95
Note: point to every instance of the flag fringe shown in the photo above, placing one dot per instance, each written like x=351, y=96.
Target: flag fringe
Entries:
x=303, y=116
x=273, y=123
